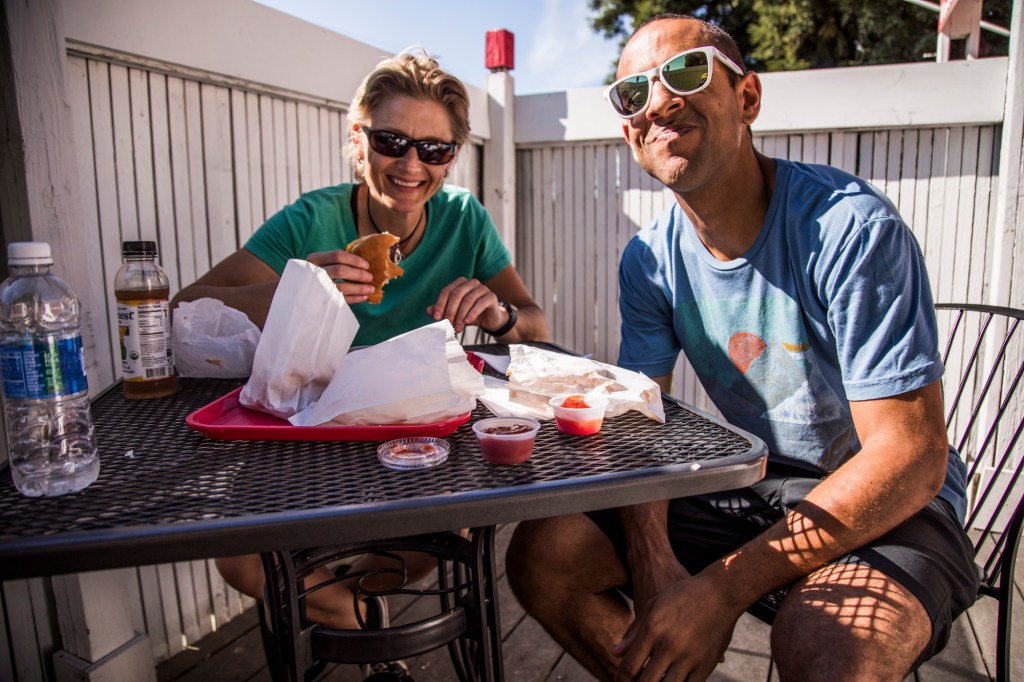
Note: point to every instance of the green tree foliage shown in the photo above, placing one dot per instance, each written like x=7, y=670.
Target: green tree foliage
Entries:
x=786, y=35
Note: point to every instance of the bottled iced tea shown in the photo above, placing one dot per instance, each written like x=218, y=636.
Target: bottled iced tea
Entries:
x=144, y=323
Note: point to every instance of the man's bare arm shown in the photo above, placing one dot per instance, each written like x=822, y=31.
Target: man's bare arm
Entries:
x=899, y=469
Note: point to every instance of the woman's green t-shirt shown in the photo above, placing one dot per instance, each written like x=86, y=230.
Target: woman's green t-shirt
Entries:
x=459, y=240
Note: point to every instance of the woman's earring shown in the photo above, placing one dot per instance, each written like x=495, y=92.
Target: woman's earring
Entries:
x=446, y=172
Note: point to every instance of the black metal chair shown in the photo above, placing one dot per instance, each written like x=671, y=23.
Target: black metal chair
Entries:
x=465, y=620
x=984, y=358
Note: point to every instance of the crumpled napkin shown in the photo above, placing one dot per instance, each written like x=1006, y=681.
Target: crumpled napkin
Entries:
x=536, y=375
x=420, y=377
x=213, y=340
x=309, y=330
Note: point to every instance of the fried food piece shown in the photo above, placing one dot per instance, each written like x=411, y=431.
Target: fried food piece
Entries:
x=375, y=249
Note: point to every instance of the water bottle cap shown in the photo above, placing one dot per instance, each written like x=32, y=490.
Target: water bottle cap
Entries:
x=29, y=253
x=147, y=248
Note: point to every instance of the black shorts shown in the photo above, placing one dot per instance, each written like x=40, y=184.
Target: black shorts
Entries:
x=929, y=553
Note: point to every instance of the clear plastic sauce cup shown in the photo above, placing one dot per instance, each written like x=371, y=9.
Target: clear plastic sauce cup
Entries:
x=506, y=440
x=579, y=415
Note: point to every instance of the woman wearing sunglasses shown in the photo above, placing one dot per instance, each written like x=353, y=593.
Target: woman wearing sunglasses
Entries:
x=408, y=120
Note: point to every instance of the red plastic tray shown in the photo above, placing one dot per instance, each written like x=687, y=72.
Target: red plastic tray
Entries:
x=227, y=419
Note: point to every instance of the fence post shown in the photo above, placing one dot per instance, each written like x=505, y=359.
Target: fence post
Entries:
x=499, y=186
x=1008, y=263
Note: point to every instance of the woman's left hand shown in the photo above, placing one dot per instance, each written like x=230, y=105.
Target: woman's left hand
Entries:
x=468, y=301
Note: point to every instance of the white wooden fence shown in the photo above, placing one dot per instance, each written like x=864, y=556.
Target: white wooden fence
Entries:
x=196, y=157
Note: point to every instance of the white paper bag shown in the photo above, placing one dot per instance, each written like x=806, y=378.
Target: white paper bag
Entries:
x=213, y=340
x=420, y=377
x=536, y=375
x=308, y=332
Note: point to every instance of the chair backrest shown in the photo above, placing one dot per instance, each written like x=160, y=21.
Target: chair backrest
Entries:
x=984, y=357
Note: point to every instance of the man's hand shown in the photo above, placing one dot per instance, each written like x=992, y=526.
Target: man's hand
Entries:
x=650, y=579
x=682, y=634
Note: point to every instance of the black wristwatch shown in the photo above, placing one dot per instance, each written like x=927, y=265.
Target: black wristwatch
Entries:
x=513, y=317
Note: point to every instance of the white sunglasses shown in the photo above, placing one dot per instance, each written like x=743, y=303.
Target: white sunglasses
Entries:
x=686, y=73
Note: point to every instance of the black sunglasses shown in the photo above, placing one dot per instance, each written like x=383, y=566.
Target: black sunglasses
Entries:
x=397, y=145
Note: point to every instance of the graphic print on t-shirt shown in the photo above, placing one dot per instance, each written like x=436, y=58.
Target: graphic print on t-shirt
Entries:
x=758, y=366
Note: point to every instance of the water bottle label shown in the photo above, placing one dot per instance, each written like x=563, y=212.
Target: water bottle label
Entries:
x=47, y=367
x=144, y=328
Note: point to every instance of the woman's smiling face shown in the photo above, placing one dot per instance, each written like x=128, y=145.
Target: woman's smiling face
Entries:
x=405, y=184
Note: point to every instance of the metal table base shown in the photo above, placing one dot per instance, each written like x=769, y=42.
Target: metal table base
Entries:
x=466, y=619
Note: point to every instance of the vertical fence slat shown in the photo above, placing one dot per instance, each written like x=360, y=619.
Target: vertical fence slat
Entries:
x=124, y=180
x=142, y=151
x=304, y=147
x=590, y=272
x=239, y=138
x=163, y=186
x=217, y=157
x=196, y=177
x=96, y=308
x=291, y=151
x=253, y=139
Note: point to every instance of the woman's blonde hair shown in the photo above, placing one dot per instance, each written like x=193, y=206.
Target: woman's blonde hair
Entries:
x=418, y=76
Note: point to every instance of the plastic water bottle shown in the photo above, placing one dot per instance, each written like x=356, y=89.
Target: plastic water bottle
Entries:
x=50, y=437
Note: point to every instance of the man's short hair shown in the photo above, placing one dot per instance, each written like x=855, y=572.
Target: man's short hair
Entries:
x=713, y=36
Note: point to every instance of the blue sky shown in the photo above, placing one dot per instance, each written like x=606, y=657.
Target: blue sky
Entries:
x=555, y=47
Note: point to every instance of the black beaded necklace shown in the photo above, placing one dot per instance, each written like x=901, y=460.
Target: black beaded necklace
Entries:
x=373, y=223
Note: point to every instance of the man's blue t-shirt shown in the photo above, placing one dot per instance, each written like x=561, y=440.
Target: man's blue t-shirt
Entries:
x=830, y=304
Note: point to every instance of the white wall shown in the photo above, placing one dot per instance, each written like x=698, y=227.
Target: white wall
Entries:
x=239, y=39
x=890, y=96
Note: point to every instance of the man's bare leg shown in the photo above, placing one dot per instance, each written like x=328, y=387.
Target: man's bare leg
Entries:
x=564, y=572
x=849, y=622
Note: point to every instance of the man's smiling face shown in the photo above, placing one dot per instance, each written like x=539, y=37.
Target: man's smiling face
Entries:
x=681, y=140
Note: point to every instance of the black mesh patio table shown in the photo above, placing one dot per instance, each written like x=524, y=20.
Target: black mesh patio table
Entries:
x=168, y=493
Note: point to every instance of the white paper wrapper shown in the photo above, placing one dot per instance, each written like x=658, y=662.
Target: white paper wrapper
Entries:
x=213, y=340
x=308, y=332
x=420, y=377
x=536, y=375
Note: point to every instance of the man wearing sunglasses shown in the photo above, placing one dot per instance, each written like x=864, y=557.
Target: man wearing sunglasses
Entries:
x=800, y=299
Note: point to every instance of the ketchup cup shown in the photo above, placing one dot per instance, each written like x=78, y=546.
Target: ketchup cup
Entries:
x=584, y=420
x=506, y=440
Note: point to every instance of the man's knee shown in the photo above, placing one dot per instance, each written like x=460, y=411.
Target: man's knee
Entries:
x=849, y=618
x=561, y=554
x=533, y=543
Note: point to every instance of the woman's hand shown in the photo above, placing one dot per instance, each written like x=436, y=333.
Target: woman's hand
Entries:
x=468, y=301
x=350, y=273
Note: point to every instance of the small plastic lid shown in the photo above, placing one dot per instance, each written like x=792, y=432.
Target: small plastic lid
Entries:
x=138, y=248
x=417, y=452
x=29, y=253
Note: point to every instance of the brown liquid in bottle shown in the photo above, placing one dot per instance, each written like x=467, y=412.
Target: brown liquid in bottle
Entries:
x=153, y=388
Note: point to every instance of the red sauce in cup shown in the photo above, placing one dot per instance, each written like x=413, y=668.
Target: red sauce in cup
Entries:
x=506, y=451
x=579, y=428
